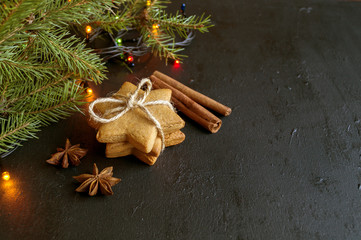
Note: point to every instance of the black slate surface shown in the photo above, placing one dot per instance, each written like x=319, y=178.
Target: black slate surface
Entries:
x=285, y=164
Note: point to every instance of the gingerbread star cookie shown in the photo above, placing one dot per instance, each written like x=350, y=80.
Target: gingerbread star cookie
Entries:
x=125, y=148
x=135, y=126
x=114, y=150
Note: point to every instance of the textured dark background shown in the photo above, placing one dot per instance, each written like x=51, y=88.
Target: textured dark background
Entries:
x=285, y=164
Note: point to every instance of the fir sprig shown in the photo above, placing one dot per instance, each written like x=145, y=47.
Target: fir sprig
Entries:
x=15, y=129
x=161, y=39
x=70, y=55
x=40, y=63
x=179, y=24
x=160, y=43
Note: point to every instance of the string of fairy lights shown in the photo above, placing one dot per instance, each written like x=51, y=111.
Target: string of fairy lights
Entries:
x=127, y=53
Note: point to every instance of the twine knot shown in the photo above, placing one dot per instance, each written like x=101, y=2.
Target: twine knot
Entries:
x=128, y=103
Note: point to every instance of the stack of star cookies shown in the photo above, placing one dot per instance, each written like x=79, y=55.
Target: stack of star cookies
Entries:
x=134, y=133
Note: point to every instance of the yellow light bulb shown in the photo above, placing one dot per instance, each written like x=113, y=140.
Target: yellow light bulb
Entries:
x=155, y=26
x=88, y=29
x=6, y=176
x=89, y=91
x=148, y=2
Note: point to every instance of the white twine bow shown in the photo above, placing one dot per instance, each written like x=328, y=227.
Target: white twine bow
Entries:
x=128, y=103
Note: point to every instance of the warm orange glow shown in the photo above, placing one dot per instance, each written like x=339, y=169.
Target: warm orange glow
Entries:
x=155, y=26
x=15, y=196
x=177, y=62
x=89, y=91
x=6, y=176
x=88, y=29
x=130, y=59
x=149, y=2
x=155, y=32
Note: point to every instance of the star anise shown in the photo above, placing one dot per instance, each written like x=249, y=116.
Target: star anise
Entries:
x=102, y=180
x=71, y=154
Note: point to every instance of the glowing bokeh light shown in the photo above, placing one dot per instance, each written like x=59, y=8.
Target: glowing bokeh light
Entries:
x=130, y=59
x=6, y=176
x=88, y=29
x=89, y=91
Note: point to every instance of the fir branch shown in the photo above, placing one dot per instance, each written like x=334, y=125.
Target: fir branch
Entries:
x=11, y=12
x=10, y=34
x=179, y=23
x=16, y=128
x=158, y=4
x=160, y=43
x=135, y=7
x=27, y=50
x=13, y=131
x=76, y=11
x=71, y=55
x=46, y=106
x=113, y=21
x=63, y=102
x=4, y=91
x=17, y=21
x=37, y=90
x=11, y=70
x=41, y=94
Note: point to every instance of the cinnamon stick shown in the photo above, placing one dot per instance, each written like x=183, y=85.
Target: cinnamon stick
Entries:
x=189, y=107
x=196, y=96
